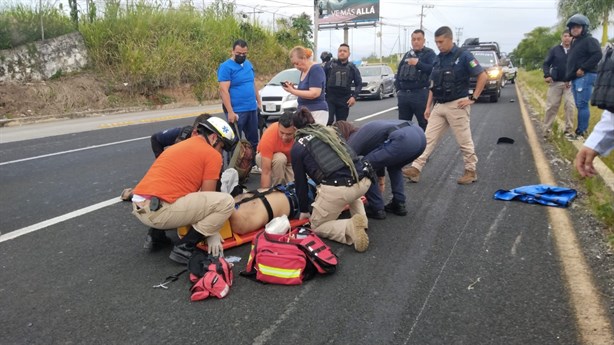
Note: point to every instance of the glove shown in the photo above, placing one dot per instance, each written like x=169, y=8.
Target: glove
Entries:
x=214, y=245
x=304, y=215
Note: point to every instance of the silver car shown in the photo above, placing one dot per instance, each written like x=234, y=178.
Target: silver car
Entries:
x=377, y=81
x=275, y=100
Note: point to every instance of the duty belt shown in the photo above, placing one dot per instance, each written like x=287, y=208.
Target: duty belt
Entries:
x=399, y=126
x=342, y=181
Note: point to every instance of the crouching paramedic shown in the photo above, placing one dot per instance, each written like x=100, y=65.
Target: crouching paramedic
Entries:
x=341, y=179
x=179, y=189
x=273, y=156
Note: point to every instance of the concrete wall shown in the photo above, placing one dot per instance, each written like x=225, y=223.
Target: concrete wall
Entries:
x=43, y=59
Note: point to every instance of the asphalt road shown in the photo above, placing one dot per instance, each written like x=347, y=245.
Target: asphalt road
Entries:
x=461, y=268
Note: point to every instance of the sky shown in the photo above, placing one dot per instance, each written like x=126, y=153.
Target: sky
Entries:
x=503, y=21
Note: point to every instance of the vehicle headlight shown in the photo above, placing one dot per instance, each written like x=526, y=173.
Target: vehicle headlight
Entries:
x=373, y=84
x=494, y=73
x=291, y=97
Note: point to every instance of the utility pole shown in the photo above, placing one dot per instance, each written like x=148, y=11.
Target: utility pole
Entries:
x=422, y=15
x=254, y=14
x=459, y=33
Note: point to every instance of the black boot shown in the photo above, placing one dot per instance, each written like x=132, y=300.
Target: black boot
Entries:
x=182, y=251
x=397, y=208
x=375, y=214
x=156, y=239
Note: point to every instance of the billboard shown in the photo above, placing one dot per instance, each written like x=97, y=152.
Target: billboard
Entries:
x=346, y=11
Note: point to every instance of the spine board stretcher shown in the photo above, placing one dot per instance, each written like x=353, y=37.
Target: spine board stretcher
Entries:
x=232, y=239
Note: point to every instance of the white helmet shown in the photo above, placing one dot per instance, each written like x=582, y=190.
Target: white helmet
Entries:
x=223, y=131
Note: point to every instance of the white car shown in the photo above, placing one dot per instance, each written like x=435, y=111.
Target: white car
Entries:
x=275, y=100
x=510, y=72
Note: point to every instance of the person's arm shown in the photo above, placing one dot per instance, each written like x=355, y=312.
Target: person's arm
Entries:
x=312, y=93
x=258, y=99
x=594, y=55
x=600, y=142
x=265, y=175
x=156, y=146
x=300, y=178
x=425, y=63
x=479, y=87
x=357, y=82
x=225, y=95
x=429, y=105
x=547, y=64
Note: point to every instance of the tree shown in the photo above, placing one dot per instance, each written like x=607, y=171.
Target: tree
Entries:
x=532, y=50
x=302, y=27
x=74, y=12
x=597, y=11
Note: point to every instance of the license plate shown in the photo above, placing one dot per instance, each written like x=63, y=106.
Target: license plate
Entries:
x=471, y=92
x=270, y=107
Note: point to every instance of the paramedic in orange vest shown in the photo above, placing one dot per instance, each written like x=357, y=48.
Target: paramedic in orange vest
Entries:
x=273, y=156
x=179, y=189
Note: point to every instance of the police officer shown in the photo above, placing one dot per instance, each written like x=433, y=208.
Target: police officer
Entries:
x=387, y=145
x=412, y=80
x=449, y=88
x=320, y=153
x=340, y=74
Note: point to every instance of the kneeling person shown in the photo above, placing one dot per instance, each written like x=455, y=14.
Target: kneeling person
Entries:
x=179, y=189
x=341, y=178
x=273, y=156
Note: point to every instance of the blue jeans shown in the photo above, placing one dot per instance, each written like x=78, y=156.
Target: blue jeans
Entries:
x=582, y=89
x=402, y=147
x=248, y=124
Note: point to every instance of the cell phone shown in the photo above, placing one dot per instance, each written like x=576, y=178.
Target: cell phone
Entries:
x=284, y=83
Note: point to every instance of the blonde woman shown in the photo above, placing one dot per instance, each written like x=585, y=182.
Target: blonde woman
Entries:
x=310, y=89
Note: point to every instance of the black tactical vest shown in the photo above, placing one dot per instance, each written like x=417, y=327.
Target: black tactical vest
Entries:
x=446, y=87
x=339, y=76
x=603, y=91
x=408, y=73
x=326, y=158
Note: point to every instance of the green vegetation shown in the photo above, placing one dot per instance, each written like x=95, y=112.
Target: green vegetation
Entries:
x=597, y=11
x=20, y=25
x=149, y=46
x=532, y=50
x=600, y=198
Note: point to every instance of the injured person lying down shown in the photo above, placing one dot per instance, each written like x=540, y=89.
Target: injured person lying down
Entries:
x=254, y=209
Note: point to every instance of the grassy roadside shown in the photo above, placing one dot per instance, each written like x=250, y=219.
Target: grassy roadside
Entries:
x=600, y=197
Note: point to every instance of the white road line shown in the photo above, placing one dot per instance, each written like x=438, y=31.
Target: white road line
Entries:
x=23, y=231
x=375, y=114
x=71, y=151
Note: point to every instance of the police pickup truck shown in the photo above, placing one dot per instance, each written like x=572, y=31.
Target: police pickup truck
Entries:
x=489, y=57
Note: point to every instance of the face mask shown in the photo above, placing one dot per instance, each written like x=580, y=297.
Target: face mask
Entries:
x=240, y=59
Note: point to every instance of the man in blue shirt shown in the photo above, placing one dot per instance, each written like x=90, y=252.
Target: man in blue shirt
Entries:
x=240, y=97
x=449, y=89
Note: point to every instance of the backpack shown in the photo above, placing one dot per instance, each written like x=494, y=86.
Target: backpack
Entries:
x=210, y=275
x=290, y=258
x=241, y=159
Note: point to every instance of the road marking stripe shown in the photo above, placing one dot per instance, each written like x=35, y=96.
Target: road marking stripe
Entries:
x=148, y=120
x=23, y=231
x=375, y=114
x=593, y=324
x=71, y=151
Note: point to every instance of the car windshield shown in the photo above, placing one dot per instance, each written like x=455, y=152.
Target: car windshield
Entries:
x=370, y=71
x=486, y=59
x=291, y=75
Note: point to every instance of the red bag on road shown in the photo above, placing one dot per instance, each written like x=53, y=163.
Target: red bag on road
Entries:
x=289, y=259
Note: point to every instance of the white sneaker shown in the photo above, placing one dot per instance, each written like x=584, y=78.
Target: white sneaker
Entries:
x=255, y=170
